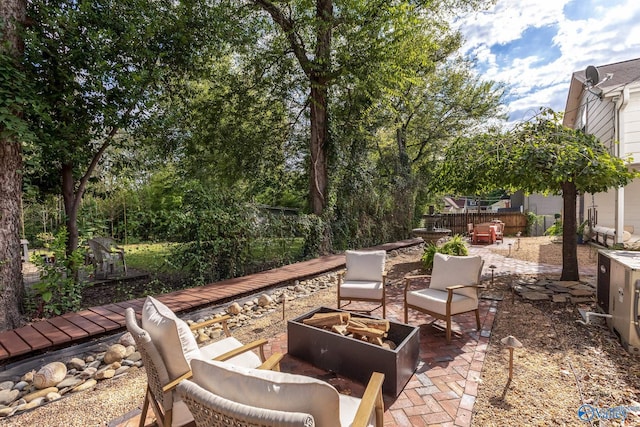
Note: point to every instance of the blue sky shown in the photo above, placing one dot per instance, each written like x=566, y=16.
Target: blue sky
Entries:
x=535, y=45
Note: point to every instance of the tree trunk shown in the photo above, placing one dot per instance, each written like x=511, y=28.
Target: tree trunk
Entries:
x=11, y=285
x=317, y=68
x=569, y=236
x=70, y=208
x=318, y=142
x=404, y=192
x=318, y=79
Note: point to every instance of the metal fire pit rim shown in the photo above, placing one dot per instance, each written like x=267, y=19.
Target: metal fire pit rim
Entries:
x=307, y=315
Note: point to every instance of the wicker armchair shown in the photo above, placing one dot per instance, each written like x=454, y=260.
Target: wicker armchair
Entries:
x=220, y=395
x=162, y=377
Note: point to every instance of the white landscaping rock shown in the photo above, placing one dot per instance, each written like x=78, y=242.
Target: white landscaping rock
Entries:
x=76, y=363
x=40, y=393
x=234, y=309
x=116, y=353
x=89, y=384
x=127, y=340
x=106, y=374
x=264, y=300
x=50, y=375
x=8, y=396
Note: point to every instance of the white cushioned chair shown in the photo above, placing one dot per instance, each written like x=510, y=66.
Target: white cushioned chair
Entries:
x=364, y=279
x=167, y=346
x=221, y=394
x=453, y=289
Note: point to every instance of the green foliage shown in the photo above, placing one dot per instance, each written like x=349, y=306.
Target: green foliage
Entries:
x=150, y=257
x=581, y=227
x=313, y=230
x=220, y=236
x=454, y=246
x=554, y=230
x=58, y=291
x=532, y=221
x=15, y=93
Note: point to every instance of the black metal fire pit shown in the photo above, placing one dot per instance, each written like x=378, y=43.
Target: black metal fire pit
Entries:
x=354, y=358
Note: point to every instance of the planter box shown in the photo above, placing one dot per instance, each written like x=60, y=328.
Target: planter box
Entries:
x=354, y=358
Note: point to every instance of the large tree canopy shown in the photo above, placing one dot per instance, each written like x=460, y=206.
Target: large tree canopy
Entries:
x=344, y=41
x=98, y=67
x=538, y=156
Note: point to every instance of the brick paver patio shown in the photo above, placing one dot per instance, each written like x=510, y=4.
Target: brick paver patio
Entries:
x=443, y=390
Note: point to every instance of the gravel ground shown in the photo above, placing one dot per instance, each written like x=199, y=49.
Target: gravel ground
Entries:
x=563, y=364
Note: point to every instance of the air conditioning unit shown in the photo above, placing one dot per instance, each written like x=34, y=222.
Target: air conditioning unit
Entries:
x=618, y=294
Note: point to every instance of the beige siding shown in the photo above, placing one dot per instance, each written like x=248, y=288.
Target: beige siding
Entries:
x=543, y=205
x=606, y=205
x=599, y=115
x=632, y=205
x=632, y=127
x=602, y=124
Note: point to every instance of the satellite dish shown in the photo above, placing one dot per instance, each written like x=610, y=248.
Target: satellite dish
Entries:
x=592, y=75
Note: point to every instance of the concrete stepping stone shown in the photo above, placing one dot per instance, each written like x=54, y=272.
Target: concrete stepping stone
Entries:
x=534, y=296
x=581, y=292
x=560, y=297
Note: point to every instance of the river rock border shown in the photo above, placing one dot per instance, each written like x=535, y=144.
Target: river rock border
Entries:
x=68, y=375
x=81, y=372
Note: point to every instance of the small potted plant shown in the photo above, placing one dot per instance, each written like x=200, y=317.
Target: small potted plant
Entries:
x=581, y=231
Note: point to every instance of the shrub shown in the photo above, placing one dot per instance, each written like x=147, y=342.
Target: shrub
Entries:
x=554, y=230
x=454, y=246
x=59, y=289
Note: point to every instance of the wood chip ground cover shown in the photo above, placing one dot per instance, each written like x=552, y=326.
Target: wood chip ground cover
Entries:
x=562, y=365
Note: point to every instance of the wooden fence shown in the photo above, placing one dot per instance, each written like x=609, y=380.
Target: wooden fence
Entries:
x=457, y=222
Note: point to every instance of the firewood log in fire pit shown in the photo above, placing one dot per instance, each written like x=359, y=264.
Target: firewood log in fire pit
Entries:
x=371, y=330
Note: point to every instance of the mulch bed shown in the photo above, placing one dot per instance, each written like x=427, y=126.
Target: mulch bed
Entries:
x=562, y=365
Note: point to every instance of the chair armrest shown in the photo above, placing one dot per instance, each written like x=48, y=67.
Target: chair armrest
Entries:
x=272, y=363
x=408, y=279
x=371, y=400
x=170, y=386
x=450, y=290
x=454, y=287
x=420, y=276
x=206, y=323
x=247, y=347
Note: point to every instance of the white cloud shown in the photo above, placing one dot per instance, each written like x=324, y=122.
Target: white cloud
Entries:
x=607, y=32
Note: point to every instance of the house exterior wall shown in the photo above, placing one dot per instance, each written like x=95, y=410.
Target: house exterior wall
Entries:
x=629, y=136
x=631, y=126
x=596, y=117
x=543, y=205
x=606, y=205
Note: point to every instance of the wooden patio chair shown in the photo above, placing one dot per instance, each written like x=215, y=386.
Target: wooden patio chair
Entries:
x=364, y=279
x=452, y=289
x=108, y=257
x=482, y=233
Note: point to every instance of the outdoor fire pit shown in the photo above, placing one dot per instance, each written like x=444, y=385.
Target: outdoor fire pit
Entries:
x=354, y=358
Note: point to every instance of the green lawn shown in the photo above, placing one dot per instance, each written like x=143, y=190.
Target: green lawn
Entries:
x=148, y=256
x=152, y=256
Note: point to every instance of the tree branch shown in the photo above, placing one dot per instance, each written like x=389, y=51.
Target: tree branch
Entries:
x=287, y=26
